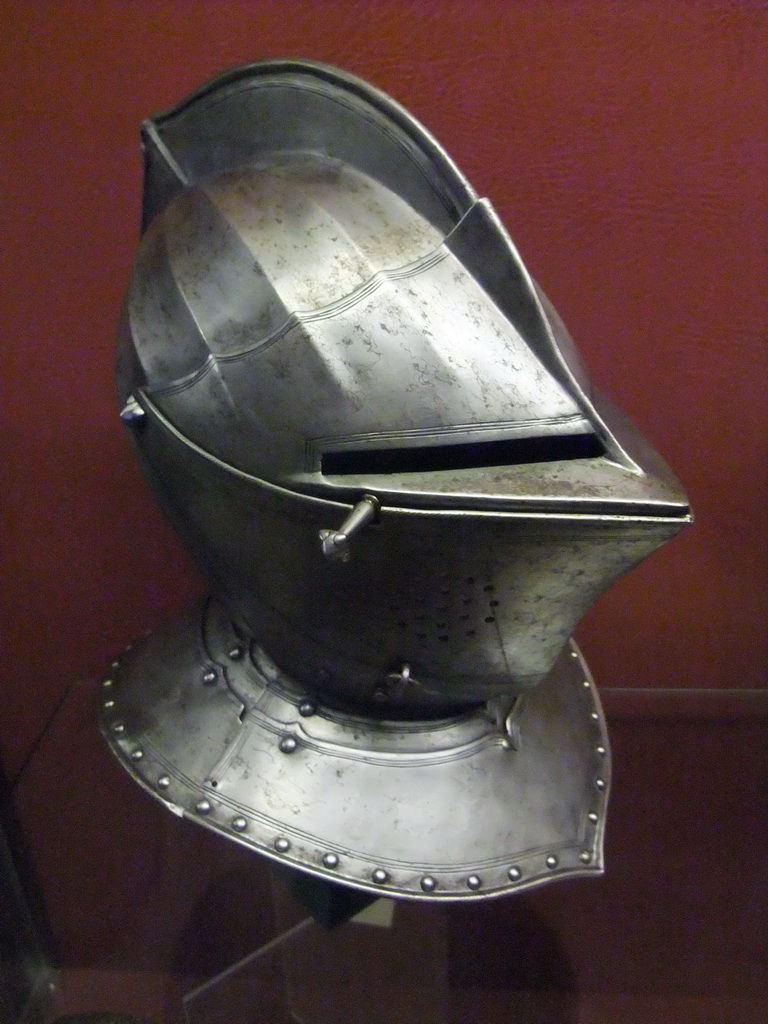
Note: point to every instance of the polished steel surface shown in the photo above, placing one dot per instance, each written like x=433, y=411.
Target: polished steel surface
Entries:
x=374, y=434
x=424, y=810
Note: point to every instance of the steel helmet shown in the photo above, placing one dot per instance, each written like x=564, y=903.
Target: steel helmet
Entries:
x=374, y=435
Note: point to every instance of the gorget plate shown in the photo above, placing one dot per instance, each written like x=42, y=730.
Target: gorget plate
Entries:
x=460, y=808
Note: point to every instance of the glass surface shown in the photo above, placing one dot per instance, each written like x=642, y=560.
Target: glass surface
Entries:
x=145, y=907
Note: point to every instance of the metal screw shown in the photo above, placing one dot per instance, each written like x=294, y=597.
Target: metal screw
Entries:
x=239, y=824
x=551, y=861
x=307, y=709
x=515, y=874
x=282, y=845
x=428, y=884
x=210, y=677
x=331, y=860
x=203, y=807
x=380, y=876
x=132, y=412
x=474, y=881
x=163, y=782
x=288, y=744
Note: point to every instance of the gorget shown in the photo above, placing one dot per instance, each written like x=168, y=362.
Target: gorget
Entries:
x=458, y=808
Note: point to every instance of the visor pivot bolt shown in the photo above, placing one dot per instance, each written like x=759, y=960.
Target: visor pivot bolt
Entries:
x=307, y=709
x=331, y=860
x=474, y=882
x=335, y=543
x=132, y=413
x=288, y=744
x=380, y=876
x=428, y=884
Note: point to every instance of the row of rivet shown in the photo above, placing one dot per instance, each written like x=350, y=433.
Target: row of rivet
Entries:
x=331, y=860
x=204, y=808
x=600, y=751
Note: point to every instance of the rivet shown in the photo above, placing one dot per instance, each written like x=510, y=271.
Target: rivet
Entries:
x=428, y=884
x=585, y=856
x=108, y=682
x=203, y=807
x=118, y=727
x=282, y=845
x=585, y=684
x=574, y=654
x=595, y=717
x=600, y=751
x=115, y=664
x=288, y=744
x=163, y=782
x=137, y=754
x=515, y=874
x=307, y=709
x=474, y=881
x=592, y=817
x=600, y=783
x=210, y=677
x=239, y=824
x=132, y=412
x=380, y=876
x=551, y=861
x=236, y=653
x=330, y=860
x=109, y=703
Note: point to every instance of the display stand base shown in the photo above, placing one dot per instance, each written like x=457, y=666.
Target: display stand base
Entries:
x=387, y=964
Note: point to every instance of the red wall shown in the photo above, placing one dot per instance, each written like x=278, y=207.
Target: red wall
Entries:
x=624, y=145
